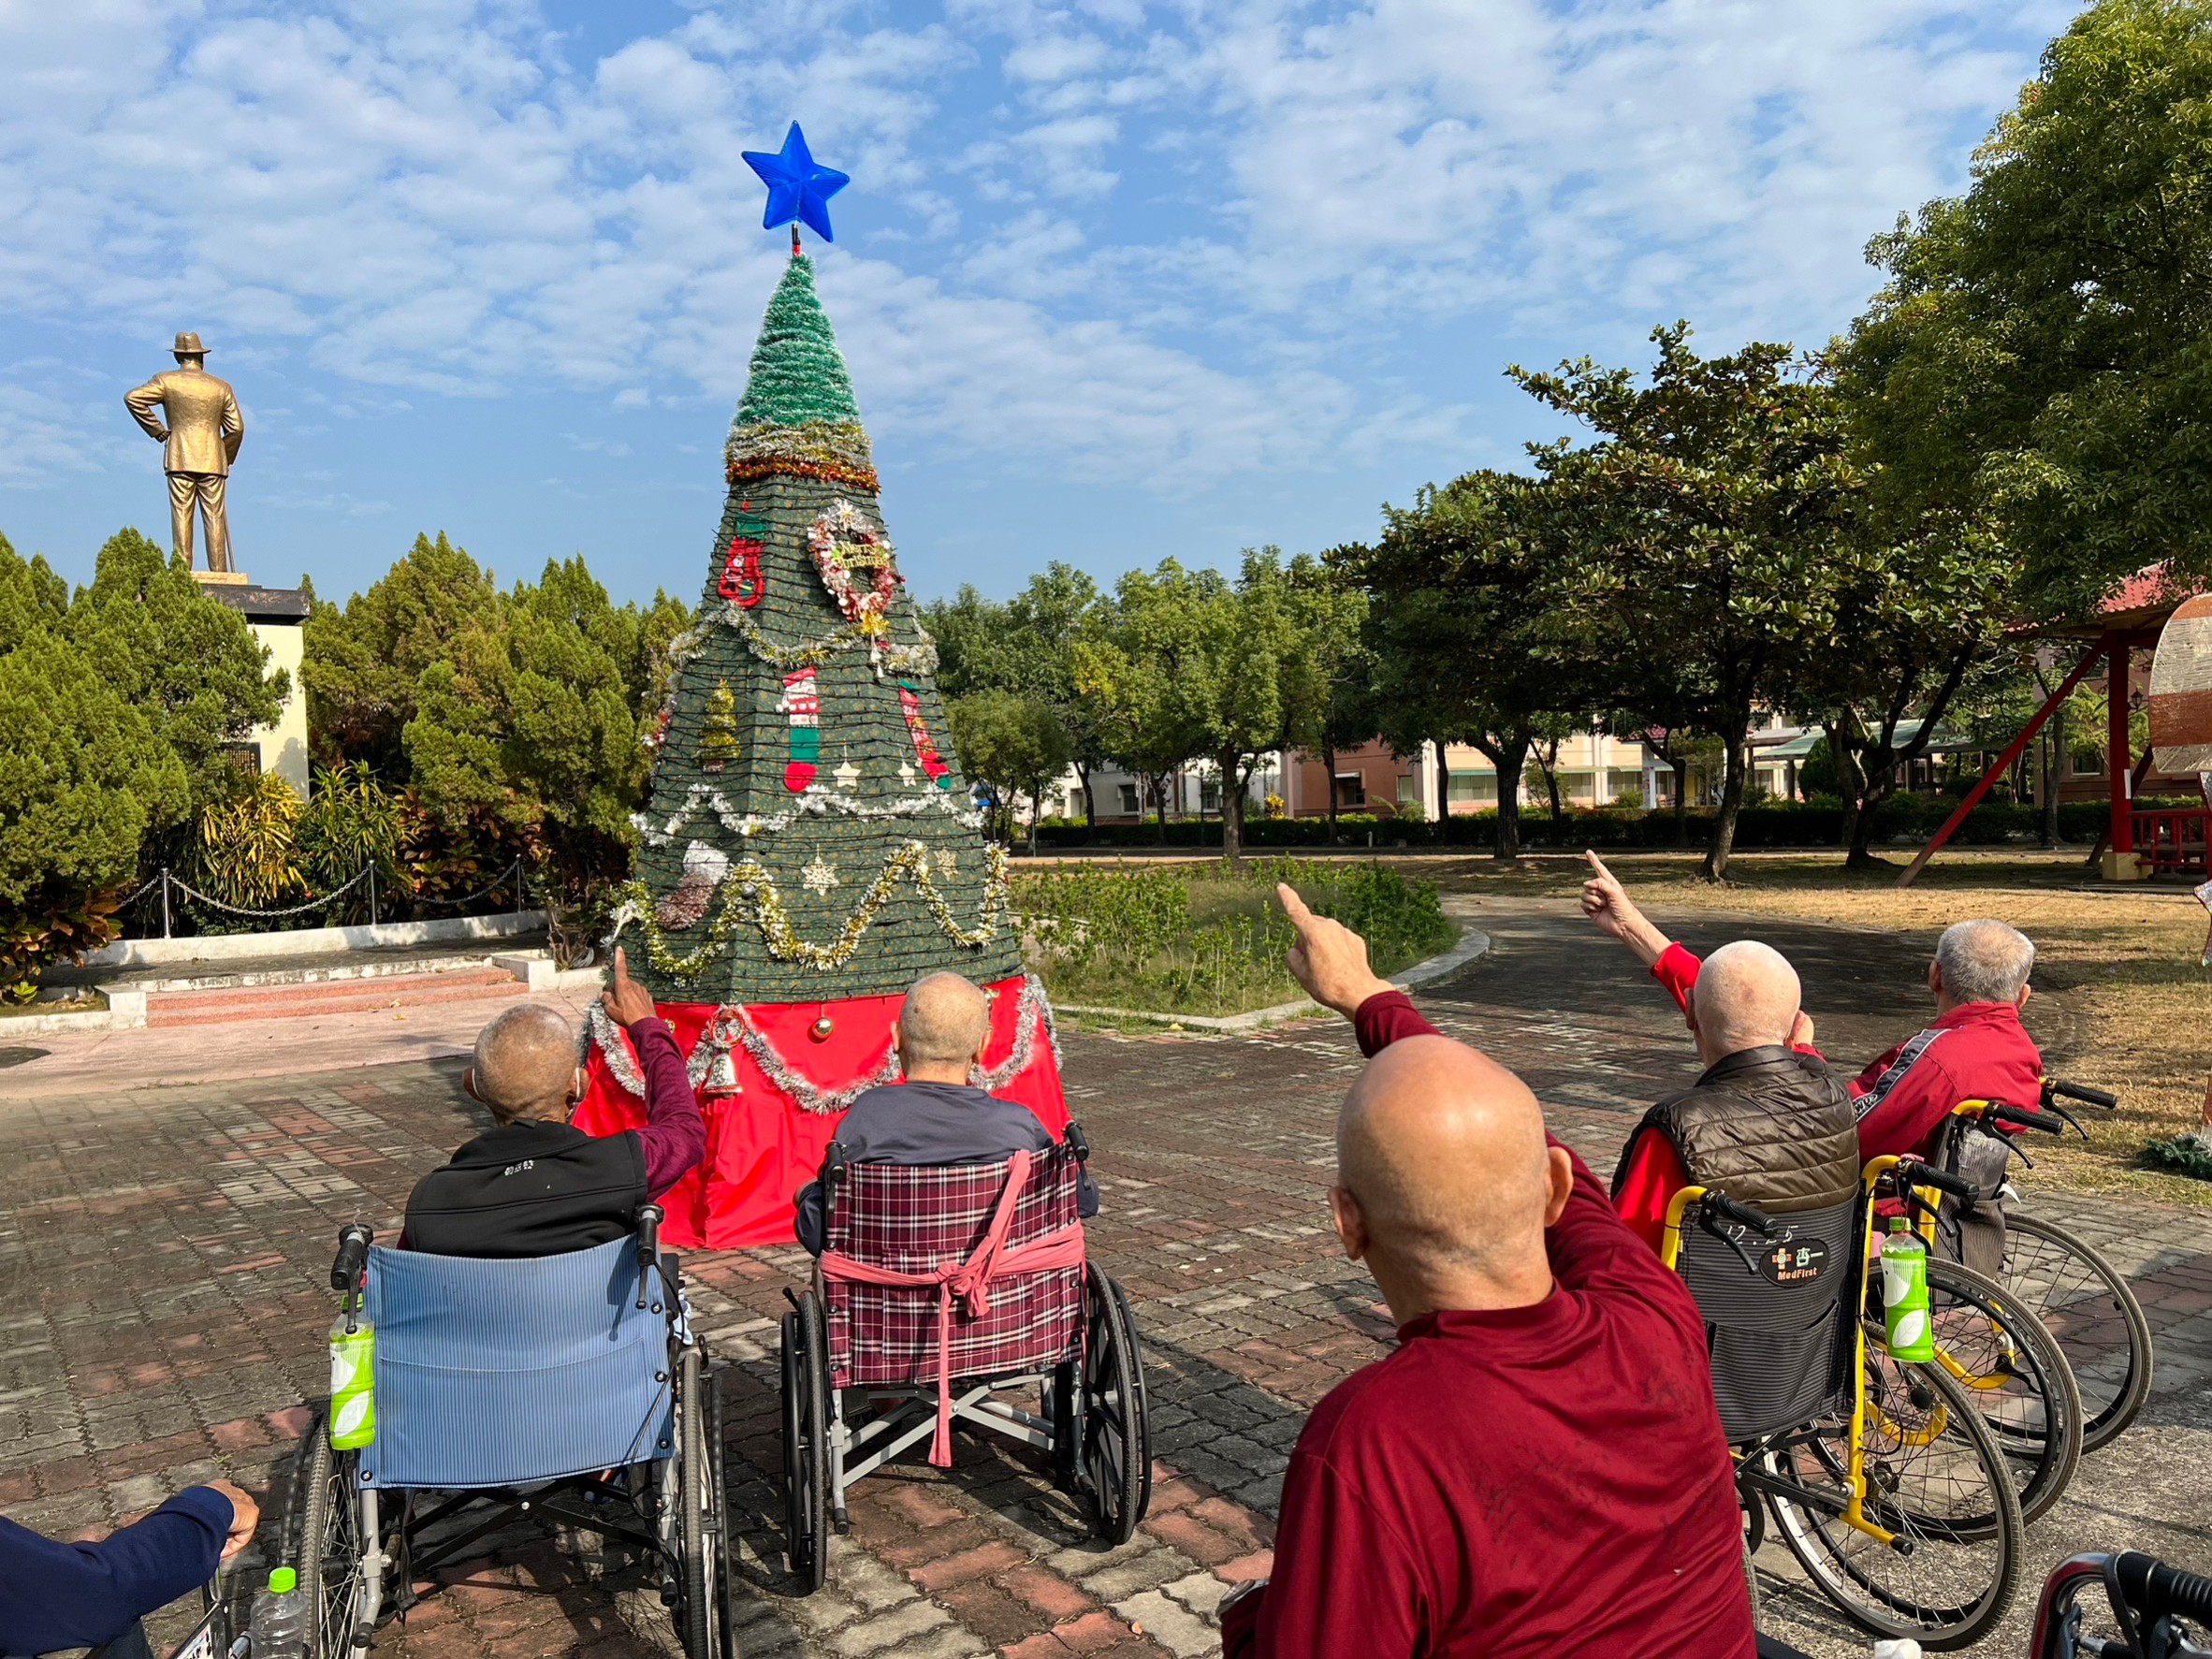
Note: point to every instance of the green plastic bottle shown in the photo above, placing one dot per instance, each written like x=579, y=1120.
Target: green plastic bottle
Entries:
x=1904, y=1294
x=352, y=1385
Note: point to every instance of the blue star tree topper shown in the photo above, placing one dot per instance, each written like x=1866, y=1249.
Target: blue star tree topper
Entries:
x=799, y=187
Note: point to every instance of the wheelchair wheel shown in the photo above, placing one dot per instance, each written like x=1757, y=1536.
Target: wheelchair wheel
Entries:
x=806, y=1445
x=2092, y=1315
x=1935, y=1479
x=725, y=1603
x=1116, y=1472
x=2011, y=1368
x=325, y=1542
x=698, y=1529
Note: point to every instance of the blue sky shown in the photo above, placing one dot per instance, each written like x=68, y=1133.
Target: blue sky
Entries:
x=1116, y=280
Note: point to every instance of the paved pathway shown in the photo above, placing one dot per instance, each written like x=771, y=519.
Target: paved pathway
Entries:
x=162, y=1253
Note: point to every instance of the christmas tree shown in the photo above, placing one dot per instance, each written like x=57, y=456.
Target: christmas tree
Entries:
x=834, y=819
x=808, y=848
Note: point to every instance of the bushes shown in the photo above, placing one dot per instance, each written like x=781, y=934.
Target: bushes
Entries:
x=1796, y=825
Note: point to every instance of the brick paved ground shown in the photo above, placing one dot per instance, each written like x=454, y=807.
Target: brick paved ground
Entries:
x=161, y=1254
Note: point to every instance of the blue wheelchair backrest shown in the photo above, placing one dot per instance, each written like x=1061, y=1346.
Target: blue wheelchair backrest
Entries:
x=505, y=1373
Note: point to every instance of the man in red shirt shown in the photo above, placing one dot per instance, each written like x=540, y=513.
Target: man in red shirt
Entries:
x=1977, y=1049
x=1538, y=1468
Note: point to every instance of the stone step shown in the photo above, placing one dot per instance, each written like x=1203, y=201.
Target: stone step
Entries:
x=300, y=999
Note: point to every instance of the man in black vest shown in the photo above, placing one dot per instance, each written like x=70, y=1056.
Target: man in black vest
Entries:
x=1768, y=1123
x=534, y=1185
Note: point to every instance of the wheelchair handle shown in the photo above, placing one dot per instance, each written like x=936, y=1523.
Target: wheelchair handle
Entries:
x=1912, y=1173
x=1750, y=1216
x=2045, y=1121
x=2156, y=1591
x=1076, y=1143
x=352, y=1260
x=648, y=1249
x=2079, y=1091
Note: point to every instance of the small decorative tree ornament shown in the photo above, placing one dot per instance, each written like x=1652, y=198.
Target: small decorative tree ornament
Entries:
x=718, y=738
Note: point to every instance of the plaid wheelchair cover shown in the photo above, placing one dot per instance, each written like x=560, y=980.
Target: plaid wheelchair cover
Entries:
x=992, y=1311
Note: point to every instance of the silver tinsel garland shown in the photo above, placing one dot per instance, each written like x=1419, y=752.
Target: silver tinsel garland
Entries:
x=817, y=802
x=730, y=1025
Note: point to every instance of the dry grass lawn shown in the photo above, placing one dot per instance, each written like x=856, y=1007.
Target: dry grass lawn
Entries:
x=2130, y=953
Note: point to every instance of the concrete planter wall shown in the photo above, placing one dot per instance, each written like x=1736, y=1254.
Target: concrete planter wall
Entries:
x=309, y=941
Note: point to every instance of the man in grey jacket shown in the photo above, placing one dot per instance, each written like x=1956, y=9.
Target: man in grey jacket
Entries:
x=936, y=1116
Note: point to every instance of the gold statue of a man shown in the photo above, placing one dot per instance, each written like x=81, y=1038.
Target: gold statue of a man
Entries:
x=200, y=442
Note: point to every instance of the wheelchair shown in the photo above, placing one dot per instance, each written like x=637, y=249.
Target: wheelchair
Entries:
x=2079, y=1297
x=567, y=1390
x=946, y=1295
x=1881, y=1479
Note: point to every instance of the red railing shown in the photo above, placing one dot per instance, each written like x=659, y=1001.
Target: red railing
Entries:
x=2174, y=839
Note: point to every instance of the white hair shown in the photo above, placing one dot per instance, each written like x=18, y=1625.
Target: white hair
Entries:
x=1747, y=997
x=1985, y=960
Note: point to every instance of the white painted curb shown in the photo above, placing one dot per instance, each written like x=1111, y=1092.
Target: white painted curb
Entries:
x=309, y=942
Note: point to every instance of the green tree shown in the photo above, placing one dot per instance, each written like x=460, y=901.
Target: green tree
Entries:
x=1132, y=661
x=85, y=777
x=189, y=663
x=2041, y=352
x=1458, y=587
x=1698, y=540
x=364, y=663
x=1012, y=743
x=1916, y=619
x=1333, y=606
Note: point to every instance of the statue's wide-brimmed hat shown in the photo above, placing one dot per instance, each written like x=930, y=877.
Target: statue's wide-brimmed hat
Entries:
x=188, y=345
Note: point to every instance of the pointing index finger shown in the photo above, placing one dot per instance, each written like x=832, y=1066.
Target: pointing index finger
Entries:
x=1293, y=906
x=1598, y=864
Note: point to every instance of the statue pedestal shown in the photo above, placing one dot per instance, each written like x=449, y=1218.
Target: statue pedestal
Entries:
x=275, y=614
x=222, y=578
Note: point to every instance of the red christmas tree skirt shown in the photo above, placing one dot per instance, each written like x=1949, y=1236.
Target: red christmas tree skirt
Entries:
x=761, y=1146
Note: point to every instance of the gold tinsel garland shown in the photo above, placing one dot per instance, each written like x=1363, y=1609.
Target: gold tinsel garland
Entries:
x=749, y=894
x=834, y=451
x=920, y=658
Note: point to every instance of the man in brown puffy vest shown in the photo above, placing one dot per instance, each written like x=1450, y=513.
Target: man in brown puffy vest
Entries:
x=1768, y=1124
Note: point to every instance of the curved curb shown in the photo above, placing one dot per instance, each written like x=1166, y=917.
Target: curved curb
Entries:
x=1473, y=943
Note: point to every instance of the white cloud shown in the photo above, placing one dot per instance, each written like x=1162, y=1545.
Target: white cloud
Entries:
x=1260, y=210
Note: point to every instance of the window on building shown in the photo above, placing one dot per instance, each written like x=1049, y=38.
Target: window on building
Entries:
x=1128, y=800
x=2088, y=762
x=1209, y=794
x=1576, y=786
x=1409, y=788
x=1351, y=790
x=1475, y=786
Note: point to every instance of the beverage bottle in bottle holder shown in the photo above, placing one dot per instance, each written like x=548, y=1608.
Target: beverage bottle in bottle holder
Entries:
x=279, y=1627
x=353, y=1395
x=1904, y=1294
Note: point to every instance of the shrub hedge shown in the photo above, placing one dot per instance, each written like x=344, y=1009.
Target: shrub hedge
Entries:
x=1797, y=824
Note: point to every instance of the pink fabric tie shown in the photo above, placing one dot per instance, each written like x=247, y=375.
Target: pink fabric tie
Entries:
x=970, y=1283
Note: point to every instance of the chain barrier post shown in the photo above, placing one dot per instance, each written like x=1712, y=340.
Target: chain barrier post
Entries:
x=371, y=869
x=515, y=870
x=165, y=901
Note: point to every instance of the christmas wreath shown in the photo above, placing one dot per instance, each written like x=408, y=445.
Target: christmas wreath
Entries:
x=842, y=541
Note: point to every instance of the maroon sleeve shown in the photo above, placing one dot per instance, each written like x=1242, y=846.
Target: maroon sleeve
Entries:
x=1593, y=1249
x=674, y=1138
x=1343, y=1580
x=1384, y=1018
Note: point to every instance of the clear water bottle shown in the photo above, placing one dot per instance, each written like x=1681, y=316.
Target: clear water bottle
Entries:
x=279, y=1625
x=1904, y=1294
x=353, y=1384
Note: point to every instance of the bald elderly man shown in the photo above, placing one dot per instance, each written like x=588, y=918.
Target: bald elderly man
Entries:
x=1975, y=1050
x=936, y=1115
x=1537, y=1469
x=1766, y=1122
x=534, y=1185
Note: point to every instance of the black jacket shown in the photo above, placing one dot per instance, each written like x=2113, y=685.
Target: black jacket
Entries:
x=1772, y=1127
x=529, y=1189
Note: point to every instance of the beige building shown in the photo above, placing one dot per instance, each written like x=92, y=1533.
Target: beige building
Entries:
x=276, y=616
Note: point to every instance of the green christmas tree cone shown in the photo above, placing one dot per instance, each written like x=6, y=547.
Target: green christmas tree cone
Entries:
x=808, y=848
